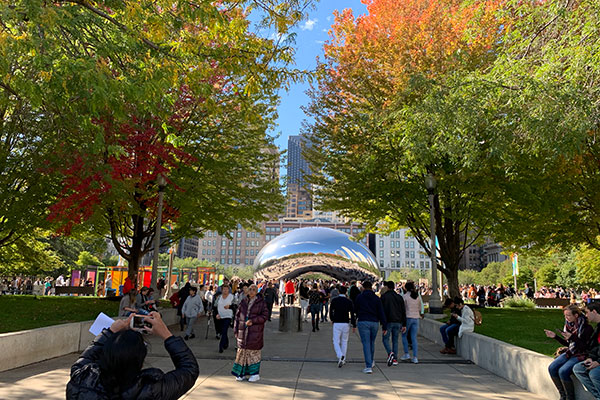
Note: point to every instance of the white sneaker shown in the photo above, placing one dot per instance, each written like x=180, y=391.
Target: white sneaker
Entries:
x=341, y=362
x=240, y=379
x=415, y=360
x=405, y=357
x=254, y=378
x=368, y=370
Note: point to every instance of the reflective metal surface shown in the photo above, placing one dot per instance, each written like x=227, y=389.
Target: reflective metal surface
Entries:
x=324, y=250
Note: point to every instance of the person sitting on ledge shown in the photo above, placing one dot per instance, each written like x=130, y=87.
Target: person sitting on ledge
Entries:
x=111, y=367
x=466, y=317
x=588, y=371
x=575, y=335
x=450, y=329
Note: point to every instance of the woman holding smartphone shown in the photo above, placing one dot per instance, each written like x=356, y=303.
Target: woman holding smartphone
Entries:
x=575, y=336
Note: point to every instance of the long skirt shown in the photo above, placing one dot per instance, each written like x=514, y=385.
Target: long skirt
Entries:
x=247, y=362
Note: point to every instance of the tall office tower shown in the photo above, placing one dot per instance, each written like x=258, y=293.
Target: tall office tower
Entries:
x=299, y=202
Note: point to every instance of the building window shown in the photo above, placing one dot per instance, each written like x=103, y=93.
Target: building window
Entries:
x=237, y=252
x=222, y=261
x=214, y=251
x=230, y=261
x=406, y=245
x=407, y=254
x=412, y=245
x=252, y=252
x=223, y=251
x=230, y=252
x=426, y=264
x=398, y=264
x=223, y=243
x=392, y=244
x=412, y=254
x=381, y=254
x=247, y=252
x=237, y=260
x=203, y=252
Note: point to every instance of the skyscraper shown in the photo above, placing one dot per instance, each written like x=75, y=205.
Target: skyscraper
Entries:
x=299, y=202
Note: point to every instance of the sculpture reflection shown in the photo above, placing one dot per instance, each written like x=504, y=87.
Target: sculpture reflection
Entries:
x=325, y=250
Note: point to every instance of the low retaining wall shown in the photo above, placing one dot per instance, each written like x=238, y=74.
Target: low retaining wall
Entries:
x=35, y=345
x=520, y=366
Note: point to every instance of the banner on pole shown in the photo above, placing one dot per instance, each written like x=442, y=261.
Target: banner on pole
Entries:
x=515, y=264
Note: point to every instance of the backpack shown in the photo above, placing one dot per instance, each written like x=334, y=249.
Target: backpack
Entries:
x=477, y=317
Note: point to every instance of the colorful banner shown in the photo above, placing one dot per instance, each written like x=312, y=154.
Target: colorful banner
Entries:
x=515, y=264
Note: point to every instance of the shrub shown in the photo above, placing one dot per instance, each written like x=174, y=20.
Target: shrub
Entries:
x=517, y=302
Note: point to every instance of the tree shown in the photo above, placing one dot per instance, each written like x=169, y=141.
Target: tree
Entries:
x=130, y=91
x=87, y=259
x=394, y=102
x=588, y=266
x=548, y=71
x=30, y=254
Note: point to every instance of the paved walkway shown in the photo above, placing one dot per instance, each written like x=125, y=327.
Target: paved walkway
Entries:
x=295, y=366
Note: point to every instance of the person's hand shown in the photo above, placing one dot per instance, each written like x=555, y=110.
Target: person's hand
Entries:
x=549, y=333
x=593, y=364
x=158, y=326
x=454, y=315
x=403, y=329
x=567, y=335
x=226, y=307
x=121, y=324
x=218, y=316
x=249, y=323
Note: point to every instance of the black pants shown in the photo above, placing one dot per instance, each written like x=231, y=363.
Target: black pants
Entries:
x=224, y=343
x=217, y=323
x=270, y=307
x=290, y=298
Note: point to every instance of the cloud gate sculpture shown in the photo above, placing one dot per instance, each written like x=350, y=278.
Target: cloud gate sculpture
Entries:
x=325, y=250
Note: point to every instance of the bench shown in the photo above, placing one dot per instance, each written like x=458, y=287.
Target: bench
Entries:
x=551, y=302
x=81, y=290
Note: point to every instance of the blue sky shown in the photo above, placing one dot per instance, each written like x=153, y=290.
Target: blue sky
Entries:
x=310, y=36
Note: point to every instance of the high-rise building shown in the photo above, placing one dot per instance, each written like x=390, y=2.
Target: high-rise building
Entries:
x=299, y=202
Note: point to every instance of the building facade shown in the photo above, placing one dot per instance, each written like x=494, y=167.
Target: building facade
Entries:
x=399, y=250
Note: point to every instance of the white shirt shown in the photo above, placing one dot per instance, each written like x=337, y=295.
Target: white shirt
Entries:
x=225, y=301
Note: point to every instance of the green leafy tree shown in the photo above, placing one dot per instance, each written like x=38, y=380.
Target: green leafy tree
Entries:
x=88, y=259
x=129, y=91
x=588, y=266
x=29, y=254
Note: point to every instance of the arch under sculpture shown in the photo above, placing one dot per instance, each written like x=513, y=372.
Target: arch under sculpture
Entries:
x=318, y=249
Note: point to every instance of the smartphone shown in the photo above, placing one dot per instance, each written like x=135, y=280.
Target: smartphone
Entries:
x=139, y=324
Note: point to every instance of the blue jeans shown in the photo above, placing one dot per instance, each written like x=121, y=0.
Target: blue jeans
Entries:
x=449, y=332
x=590, y=379
x=393, y=328
x=368, y=333
x=412, y=327
x=562, y=367
x=315, y=310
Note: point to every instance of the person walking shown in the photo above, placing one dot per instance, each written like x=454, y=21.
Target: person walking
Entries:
x=249, y=328
x=191, y=310
x=341, y=314
x=588, y=371
x=395, y=314
x=315, y=301
x=270, y=296
x=183, y=294
x=303, y=293
x=412, y=303
x=576, y=335
x=369, y=313
x=224, y=315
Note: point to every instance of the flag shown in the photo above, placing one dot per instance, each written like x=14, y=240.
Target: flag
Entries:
x=515, y=264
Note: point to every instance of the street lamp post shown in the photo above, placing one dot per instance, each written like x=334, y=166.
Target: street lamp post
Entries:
x=161, y=191
x=435, y=303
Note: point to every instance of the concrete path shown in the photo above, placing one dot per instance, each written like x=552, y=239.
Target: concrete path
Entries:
x=295, y=366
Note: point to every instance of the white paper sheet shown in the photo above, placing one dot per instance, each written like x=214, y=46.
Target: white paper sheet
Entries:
x=102, y=321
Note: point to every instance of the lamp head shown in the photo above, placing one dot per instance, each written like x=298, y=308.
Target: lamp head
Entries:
x=430, y=182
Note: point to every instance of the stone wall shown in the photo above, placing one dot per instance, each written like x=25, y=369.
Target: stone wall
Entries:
x=35, y=345
x=520, y=366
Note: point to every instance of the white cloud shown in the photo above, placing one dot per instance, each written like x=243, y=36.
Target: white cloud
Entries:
x=319, y=41
x=309, y=25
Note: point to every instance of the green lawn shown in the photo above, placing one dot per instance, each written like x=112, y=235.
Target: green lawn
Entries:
x=28, y=312
x=522, y=327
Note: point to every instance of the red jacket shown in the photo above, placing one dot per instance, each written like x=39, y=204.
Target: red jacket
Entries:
x=289, y=287
x=127, y=286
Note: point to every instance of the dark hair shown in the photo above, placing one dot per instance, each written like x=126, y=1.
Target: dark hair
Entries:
x=390, y=285
x=194, y=288
x=367, y=285
x=121, y=360
x=593, y=306
x=458, y=300
x=448, y=302
x=410, y=287
x=343, y=290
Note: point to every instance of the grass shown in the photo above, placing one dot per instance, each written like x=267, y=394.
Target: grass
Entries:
x=522, y=327
x=28, y=312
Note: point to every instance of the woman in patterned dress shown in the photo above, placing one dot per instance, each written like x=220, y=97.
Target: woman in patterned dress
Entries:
x=249, y=328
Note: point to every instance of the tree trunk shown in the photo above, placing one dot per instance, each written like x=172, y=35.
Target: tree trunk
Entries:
x=451, y=275
x=137, y=243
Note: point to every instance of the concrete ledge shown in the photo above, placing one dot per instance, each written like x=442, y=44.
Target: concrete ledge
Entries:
x=520, y=366
x=27, y=347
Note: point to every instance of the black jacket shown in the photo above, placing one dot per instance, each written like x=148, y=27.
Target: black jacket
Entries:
x=151, y=383
x=393, y=307
x=341, y=310
x=593, y=350
x=368, y=307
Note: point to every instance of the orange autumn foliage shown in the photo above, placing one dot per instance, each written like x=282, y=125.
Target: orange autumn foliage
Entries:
x=398, y=39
